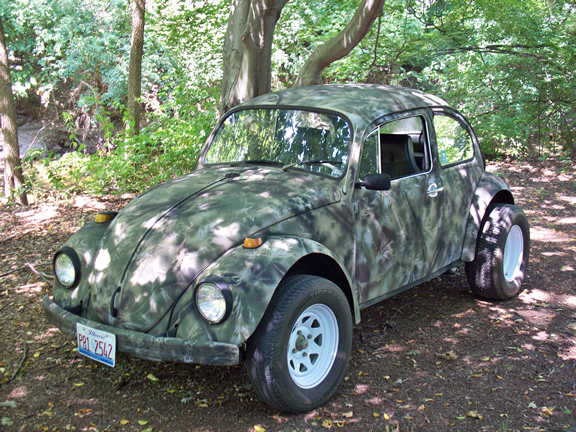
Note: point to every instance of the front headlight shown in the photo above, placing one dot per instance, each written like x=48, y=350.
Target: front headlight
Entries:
x=213, y=303
x=67, y=267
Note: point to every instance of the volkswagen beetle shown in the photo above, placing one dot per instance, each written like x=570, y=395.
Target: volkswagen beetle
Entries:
x=306, y=206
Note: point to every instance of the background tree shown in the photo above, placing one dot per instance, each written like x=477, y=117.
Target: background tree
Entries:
x=135, y=67
x=13, y=178
x=508, y=65
x=247, y=51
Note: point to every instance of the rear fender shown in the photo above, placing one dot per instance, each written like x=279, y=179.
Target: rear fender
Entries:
x=490, y=189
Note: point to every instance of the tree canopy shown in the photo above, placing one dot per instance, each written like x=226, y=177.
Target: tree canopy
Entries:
x=508, y=65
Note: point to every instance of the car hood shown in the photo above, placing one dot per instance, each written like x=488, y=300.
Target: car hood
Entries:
x=158, y=244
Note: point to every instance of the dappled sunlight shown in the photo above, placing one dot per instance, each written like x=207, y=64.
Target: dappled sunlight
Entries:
x=47, y=335
x=31, y=290
x=18, y=393
x=375, y=400
x=222, y=235
x=361, y=388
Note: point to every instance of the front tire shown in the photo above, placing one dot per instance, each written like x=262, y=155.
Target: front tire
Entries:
x=298, y=355
x=502, y=251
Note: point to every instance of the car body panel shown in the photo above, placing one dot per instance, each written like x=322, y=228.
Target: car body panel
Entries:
x=140, y=272
x=489, y=186
x=252, y=276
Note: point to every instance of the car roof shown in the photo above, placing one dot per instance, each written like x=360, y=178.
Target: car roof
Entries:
x=361, y=103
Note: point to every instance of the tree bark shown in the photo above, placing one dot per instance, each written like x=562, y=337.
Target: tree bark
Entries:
x=135, y=66
x=13, y=177
x=341, y=44
x=248, y=50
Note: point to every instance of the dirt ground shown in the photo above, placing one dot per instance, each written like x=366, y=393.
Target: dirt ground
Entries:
x=434, y=358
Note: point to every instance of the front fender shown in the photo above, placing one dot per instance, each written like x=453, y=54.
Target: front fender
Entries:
x=252, y=276
x=489, y=187
x=85, y=243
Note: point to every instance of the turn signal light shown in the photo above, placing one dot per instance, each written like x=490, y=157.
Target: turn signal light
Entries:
x=103, y=217
x=251, y=243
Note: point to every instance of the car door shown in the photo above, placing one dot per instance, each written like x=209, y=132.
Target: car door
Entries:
x=398, y=232
x=460, y=170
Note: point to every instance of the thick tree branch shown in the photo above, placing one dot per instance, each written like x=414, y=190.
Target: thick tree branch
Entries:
x=341, y=44
x=248, y=48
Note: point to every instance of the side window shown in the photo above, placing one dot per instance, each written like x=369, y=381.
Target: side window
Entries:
x=398, y=148
x=369, y=163
x=454, y=142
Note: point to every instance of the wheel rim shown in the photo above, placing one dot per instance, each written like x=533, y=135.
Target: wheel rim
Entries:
x=313, y=346
x=513, y=253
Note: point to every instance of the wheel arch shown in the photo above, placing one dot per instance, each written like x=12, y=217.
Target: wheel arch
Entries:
x=491, y=190
x=325, y=266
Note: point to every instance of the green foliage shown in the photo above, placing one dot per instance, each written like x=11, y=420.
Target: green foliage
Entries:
x=507, y=64
x=168, y=147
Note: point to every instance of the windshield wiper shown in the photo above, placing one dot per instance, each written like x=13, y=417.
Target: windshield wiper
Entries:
x=312, y=162
x=256, y=162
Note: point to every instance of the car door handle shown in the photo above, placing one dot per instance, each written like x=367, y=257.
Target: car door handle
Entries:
x=433, y=190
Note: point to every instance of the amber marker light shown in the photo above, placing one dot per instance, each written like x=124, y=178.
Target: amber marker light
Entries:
x=103, y=217
x=251, y=243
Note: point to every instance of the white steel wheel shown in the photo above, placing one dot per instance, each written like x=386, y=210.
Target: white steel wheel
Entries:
x=298, y=355
x=313, y=346
x=513, y=253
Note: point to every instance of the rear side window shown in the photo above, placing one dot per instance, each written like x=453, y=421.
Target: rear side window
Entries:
x=454, y=141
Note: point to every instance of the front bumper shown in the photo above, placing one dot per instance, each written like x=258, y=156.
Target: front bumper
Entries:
x=146, y=346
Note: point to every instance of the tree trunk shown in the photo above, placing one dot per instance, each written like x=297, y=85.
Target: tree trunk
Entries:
x=135, y=66
x=13, y=177
x=341, y=44
x=248, y=50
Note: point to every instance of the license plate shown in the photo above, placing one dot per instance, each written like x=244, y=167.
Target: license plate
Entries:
x=96, y=344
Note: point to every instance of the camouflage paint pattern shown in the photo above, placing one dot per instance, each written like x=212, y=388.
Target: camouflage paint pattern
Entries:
x=141, y=270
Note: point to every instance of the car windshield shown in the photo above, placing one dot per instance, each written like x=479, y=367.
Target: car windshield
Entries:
x=313, y=141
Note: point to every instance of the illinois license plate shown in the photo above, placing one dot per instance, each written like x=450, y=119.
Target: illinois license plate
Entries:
x=96, y=344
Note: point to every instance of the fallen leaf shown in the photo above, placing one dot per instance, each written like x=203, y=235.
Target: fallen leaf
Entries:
x=124, y=422
x=152, y=378
x=348, y=414
x=259, y=429
x=386, y=417
x=142, y=422
x=327, y=424
x=474, y=414
x=150, y=429
x=8, y=404
x=450, y=355
x=36, y=354
x=421, y=407
x=79, y=384
x=376, y=415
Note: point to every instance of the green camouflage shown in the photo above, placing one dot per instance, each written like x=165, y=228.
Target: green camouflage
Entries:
x=139, y=272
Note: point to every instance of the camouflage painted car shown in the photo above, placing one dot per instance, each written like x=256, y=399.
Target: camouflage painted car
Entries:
x=306, y=206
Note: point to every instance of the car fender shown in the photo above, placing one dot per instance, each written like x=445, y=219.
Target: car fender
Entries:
x=85, y=242
x=490, y=189
x=252, y=276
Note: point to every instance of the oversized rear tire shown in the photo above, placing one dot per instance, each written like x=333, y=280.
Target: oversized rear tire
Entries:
x=298, y=355
x=502, y=251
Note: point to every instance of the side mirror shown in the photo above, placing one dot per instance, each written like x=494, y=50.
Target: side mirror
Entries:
x=379, y=182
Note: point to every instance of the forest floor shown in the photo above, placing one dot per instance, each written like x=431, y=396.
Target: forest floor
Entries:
x=434, y=358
